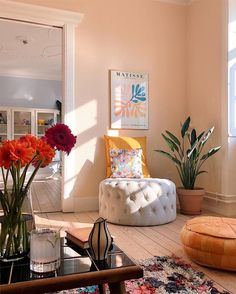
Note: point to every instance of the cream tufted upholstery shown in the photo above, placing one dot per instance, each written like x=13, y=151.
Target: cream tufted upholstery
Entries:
x=137, y=202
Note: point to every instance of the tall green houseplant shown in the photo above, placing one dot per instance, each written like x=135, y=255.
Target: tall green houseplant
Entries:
x=187, y=153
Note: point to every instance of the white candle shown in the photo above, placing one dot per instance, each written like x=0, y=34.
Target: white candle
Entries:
x=44, y=250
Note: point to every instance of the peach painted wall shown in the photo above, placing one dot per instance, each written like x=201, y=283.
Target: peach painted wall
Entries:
x=206, y=93
x=207, y=23
x=205, y=90
x=136, y=35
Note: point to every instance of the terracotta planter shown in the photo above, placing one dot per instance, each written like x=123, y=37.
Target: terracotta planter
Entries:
x=190, y=200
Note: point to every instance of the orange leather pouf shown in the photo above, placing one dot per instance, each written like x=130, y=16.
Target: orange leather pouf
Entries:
x=211, y=241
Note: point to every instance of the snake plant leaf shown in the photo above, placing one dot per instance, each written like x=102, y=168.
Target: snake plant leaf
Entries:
x=192, y=149
x=200, y=136
x=170, y=143
x=210, y=152
x=173, y=137
x=201, y=172
x=185, y=127
x=169, y=156
x=206, y=137
x=193, y=137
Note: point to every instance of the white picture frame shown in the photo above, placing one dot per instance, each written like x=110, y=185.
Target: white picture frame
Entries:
x=129, y=100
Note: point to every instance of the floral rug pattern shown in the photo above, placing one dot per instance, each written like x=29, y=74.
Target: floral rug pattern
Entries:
x=163, y=275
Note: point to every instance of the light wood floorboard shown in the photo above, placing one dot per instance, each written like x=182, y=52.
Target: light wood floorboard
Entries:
x=46, y=195
x=141, y=242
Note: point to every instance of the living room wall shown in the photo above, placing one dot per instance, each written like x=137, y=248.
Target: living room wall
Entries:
x=134, y=35
x=207, y=23
x=28, y=92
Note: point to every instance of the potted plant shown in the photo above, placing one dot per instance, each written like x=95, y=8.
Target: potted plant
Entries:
x=188, y=157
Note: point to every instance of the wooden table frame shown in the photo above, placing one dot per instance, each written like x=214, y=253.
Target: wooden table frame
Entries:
x=115, y=278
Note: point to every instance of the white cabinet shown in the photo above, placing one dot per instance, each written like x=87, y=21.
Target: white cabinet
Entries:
x=16, y=122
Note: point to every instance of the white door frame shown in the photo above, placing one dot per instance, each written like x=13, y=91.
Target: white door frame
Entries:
x=68, y=21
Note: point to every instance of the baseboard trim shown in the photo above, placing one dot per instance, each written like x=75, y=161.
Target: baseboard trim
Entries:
x=83, y=204
x=215, y=202
x=220, y=203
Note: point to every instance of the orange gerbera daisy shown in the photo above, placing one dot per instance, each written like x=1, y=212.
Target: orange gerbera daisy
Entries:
x=45, y=154
x=20, y=152
x=5, y=159
x=30, y=140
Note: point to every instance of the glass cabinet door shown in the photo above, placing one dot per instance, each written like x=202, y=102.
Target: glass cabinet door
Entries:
x=44, y=120
x=22, y=123
x=4, y=125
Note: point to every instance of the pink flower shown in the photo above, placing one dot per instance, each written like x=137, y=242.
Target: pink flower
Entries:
x=60, y=136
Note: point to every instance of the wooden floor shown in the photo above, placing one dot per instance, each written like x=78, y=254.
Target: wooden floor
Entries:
x=141, y=242
x=46, y=195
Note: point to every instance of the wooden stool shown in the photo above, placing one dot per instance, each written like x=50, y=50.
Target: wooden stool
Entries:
x=211, y=241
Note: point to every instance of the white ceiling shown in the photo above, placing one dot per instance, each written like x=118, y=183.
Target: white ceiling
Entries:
x=28, y=50
x=33, y=51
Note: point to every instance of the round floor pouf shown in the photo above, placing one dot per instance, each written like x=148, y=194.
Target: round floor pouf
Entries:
x=137, y=202
x=211, y=241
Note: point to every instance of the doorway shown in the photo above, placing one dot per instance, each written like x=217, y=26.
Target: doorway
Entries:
x=31, y=96
x=68, y=21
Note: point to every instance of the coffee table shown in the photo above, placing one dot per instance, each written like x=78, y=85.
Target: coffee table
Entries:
x=77, y=269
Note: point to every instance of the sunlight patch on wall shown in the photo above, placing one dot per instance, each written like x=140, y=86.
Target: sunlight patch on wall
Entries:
x=87, y=115
x=88, y=150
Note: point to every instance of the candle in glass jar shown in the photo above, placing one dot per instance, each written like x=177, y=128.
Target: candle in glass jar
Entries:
x=44, y=250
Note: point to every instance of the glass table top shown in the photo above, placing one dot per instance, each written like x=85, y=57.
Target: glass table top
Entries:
x=73, y=261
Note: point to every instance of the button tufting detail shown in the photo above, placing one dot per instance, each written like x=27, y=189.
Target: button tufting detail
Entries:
x=132, y=197
x=137, y=202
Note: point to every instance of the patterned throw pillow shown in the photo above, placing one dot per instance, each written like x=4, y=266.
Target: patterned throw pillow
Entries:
x=126, y=163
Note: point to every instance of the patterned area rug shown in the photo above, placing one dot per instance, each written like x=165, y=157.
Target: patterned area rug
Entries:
x=163, y=275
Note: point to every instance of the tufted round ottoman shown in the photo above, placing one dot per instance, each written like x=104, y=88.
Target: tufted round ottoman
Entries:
x=137, y=202
x=211, y=241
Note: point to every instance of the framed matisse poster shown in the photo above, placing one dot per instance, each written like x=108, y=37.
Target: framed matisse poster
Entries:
x=129, y=100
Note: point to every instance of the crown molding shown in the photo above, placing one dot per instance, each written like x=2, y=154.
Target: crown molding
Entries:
x=38, y=14
x=177, y=2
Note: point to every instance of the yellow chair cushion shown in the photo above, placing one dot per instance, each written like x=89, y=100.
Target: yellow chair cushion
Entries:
x=128, y=143
x=211, y=241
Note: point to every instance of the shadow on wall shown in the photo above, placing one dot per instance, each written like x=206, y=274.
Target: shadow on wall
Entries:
x=92, y=172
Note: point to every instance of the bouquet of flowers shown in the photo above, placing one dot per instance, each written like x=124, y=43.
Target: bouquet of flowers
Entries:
x=16, y=156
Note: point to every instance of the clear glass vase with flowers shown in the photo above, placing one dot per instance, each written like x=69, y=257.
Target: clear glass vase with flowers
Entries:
x=16, y=156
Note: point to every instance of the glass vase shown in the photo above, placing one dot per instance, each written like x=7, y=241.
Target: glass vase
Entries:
x=16, y=223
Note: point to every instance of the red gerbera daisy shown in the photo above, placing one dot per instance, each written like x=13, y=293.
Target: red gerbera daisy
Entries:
x=60, y=136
